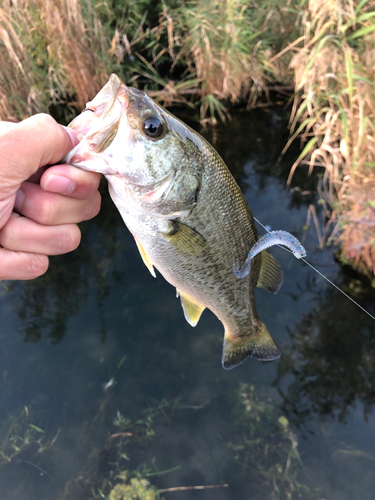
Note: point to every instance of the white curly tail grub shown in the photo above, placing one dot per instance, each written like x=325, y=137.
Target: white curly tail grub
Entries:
x=268, y=240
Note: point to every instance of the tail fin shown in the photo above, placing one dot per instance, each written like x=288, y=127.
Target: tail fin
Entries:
x=260, y=345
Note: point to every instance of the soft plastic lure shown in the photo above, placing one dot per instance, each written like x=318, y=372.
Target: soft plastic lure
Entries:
x=268, y=240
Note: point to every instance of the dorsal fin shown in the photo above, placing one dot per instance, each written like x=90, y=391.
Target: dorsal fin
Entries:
x=192, y=310
x=146, y=259
x=270, y=276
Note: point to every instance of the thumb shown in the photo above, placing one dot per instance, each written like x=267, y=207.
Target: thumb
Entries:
x=31, y=144
x=24, y=148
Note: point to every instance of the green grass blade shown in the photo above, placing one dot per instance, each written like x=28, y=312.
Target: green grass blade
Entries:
x=361, y=32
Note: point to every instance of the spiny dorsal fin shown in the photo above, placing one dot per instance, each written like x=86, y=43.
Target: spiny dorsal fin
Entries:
x=146, y=259
x=185, y=239
x=270, y=276
x=260, y=345
x=192, y=310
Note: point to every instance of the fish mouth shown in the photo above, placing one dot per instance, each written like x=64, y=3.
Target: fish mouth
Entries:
x=102, y=112
x=97, y=126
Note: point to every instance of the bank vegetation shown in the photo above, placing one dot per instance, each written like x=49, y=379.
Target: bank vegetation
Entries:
x=56, y=54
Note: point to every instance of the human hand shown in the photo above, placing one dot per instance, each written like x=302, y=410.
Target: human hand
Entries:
x=52, y=200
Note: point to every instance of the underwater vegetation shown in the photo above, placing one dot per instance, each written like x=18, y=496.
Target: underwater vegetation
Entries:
x=266, y=448
x=136, y=488
x=262, y=455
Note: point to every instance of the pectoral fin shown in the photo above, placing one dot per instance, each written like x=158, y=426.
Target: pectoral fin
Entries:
x=192, y=310
x=184, y=238
x=260, y=345
x=271, y=276
x=145, y=258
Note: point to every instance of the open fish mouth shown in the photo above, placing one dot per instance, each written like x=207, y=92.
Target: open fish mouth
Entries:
x=98, y=124
x=102, y=113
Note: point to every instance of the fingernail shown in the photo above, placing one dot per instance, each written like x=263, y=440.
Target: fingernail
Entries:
x=20, y=197
x=59, y=184
x=73, y=135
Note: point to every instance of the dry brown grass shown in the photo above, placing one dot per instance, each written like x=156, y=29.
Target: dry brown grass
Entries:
x=335, y=74
x=224, y=47
x=57, y=51
x=50, y=51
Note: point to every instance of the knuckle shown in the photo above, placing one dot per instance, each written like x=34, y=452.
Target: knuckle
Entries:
x=44, y=120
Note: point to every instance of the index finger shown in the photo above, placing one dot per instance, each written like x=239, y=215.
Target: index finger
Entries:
x=33, y=143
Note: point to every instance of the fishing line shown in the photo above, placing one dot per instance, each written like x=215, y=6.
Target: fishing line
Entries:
x=322, y=275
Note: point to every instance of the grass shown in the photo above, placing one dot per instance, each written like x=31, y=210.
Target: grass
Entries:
x=217, y=51
x=334, y=74
x=50, y=53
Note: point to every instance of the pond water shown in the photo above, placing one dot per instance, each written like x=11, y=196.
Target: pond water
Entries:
x=101, y=374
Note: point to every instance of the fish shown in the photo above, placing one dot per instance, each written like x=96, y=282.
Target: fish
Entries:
x=188, y=216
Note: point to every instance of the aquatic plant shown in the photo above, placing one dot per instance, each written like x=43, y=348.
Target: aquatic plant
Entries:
x=25, y=450
x=134, y=488
x=266, y=448
x=20, y=439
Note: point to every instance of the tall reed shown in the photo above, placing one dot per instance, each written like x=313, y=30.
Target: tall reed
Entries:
x=51, y=51
x=228, y=44
x=335, y=75
x=62, y=51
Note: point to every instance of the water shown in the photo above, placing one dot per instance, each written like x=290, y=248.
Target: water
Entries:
x=100, y=373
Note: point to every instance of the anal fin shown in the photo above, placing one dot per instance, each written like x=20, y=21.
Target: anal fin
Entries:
x=192, y=310
x=259, y=345
x=146, y=259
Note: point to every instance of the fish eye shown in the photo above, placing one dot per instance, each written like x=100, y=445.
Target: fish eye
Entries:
x=153, y=127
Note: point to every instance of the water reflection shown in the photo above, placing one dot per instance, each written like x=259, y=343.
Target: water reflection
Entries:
x=331, y=358
x=46, y=304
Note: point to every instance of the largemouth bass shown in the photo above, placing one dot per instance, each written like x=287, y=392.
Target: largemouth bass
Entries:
x=188, y=216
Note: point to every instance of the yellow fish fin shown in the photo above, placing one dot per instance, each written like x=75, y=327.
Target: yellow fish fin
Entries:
x=260, y=345
x=185, y=239
x=146, y=259
x=270, y=276
x=192, y=310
